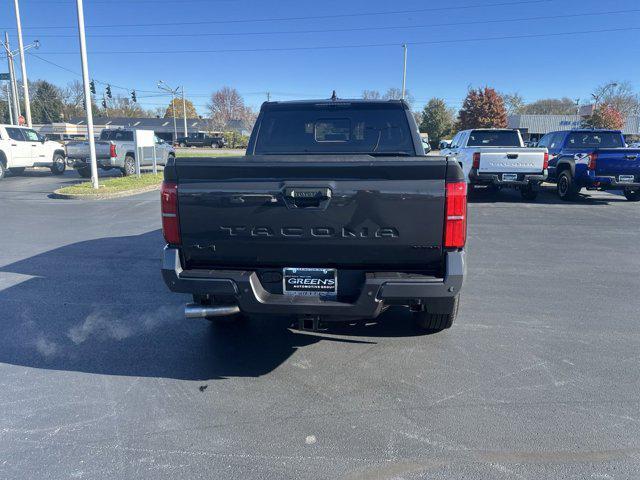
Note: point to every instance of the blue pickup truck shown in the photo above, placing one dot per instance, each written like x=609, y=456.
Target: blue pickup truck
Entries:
x=592, y=159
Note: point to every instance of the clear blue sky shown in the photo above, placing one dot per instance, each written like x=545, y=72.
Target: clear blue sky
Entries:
x=537, y=66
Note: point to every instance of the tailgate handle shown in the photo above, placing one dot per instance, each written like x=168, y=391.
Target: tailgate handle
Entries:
x=512, y=155
x=307, y=197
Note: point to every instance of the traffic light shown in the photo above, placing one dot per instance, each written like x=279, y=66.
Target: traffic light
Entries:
x=108, y=91
x=133, y=96
x=92, y=86
x=104, y=103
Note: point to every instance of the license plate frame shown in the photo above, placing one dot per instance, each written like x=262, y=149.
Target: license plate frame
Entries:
x=626, y=178
x=310, y=282
x=509, y=177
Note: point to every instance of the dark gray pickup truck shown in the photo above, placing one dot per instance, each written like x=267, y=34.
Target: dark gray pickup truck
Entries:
x=334, y=213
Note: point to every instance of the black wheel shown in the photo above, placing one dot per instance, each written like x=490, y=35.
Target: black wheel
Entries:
x=566, y=186
x=632, y=195
x=436, y=322
x=84, y=172
x=528, y=192
x=129, y=166
x=17, y=170
x=3, y=170
x=58, y=166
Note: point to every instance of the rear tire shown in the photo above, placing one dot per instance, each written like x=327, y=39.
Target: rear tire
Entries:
x=632, y=195
x=129, y=166
x=436, y=322
x=17, y=170
x=84, y=172
x=3, y=170
x=58, y=166
x=566, y=186
x=529, y=193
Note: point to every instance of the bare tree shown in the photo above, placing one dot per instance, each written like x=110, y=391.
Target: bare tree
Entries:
x=619, y=95
x=227, y=109
x=513, y=102
x=371, y=95
x=396, y=94
x=73, y=100
x=551, y=106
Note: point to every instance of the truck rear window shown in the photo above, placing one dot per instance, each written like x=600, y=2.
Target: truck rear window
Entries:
x=117, y=135
x=495, y=138
x=334, y=128
x=581, y=140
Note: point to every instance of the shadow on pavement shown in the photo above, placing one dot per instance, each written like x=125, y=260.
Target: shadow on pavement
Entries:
x=100, y=306
x=547, y=196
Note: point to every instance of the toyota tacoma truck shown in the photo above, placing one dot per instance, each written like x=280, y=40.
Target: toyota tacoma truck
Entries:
x=22, y=148
x=334, y=213
x=115, y=149
x=498, y=158
x=592, y=159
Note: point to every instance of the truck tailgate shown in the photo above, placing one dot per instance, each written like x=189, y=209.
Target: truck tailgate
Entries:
x=618, y=161
x=80, y=150
x=312, y=211
x=511, y=160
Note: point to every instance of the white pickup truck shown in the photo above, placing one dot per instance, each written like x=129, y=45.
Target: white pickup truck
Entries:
x=498, y=157
x=22, y=147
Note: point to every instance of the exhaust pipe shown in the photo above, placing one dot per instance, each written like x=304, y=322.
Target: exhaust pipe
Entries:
x=193, y=310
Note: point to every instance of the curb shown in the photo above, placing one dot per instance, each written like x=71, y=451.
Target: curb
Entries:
x=102, y=196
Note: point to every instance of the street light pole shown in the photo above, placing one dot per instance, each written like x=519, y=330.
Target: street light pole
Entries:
x=87, y=94
x=184, y=113
x=404, y=71
x=25, y=81
x=165, y=88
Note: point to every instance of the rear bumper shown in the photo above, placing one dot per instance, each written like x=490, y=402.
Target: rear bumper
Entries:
x=612, y=183
x=522, y=179
x=85, y=162
x=379, y=289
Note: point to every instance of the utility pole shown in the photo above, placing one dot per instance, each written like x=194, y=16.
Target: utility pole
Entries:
x=87, y=94
x=165, y=88
x=404, y=71
x=25, y=81
x=15, y=105
x=184, y=113
x=9, y=106
x=268, y=96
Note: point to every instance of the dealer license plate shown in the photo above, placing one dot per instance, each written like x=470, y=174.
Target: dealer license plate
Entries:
x=310, y=281
x=509, y=177
x=626, y=178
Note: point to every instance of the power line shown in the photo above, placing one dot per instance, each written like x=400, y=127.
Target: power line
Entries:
x=311, y=17
x=354, y=29
x=362, y=45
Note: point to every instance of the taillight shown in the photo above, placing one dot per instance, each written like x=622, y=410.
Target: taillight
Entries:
x=476, y=160
x=593, y=160
x=169, y=208
x=545, y=163
x=455, y=225
x=112, y=151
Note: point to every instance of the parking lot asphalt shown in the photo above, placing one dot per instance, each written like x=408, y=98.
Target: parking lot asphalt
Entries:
x=102, y=377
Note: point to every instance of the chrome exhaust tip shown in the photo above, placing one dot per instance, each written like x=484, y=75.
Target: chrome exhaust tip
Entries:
x=193, y=310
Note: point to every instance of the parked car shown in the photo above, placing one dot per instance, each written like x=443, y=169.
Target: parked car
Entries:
x=498, y=157
x=202, y=139
x=115, y=149
x=22, y=147
x=334, y=213
x=425, y=142
x=592, y=159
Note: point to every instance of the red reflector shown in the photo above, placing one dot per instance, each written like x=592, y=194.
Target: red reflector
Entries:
x=455, y=225
x=112, y=151
x=545, y=164
x=593, y=159
x=169, y=209
x=476, y=160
